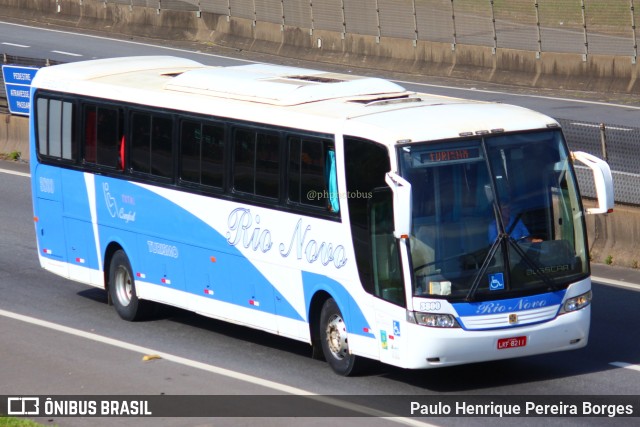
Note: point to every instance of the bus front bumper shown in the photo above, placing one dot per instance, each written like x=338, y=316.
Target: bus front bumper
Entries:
x=434, y=347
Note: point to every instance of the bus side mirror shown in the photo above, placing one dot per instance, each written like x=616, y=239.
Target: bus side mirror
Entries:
x=602, y=179
x=401, y=204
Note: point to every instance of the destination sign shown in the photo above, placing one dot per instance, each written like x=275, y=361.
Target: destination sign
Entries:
x=450, y=155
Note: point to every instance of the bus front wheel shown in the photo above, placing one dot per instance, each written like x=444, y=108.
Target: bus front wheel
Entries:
x=334, y=340
x=122, y=289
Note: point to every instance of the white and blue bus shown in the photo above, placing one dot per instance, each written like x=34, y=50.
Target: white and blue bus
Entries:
x=346, y=212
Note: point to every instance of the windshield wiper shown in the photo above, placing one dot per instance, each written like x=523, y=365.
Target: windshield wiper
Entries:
x=471, y=295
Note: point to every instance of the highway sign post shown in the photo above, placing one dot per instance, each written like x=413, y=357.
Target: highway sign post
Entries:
x=17, y=82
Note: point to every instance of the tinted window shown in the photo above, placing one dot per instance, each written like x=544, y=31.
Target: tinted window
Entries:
x=256, y=163
x=312, y=173
x=202, y=153
x=366, y=164
x=103, y=135
x=55, y=129
x=151, y=144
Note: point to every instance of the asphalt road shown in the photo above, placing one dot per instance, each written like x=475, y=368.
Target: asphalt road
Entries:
x=202, y=356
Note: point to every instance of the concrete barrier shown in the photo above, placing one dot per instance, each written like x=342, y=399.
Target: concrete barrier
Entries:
x=613, y=238
x=605, y=73
x=14, y=135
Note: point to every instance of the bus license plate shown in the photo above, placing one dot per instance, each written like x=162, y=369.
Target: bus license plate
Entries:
x=512, y=342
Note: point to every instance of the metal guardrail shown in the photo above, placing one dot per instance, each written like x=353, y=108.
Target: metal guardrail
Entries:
x=585, y=27
x=616, y=144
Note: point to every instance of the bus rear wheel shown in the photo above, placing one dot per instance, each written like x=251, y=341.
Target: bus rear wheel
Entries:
x=334, y=340
x=122, y=289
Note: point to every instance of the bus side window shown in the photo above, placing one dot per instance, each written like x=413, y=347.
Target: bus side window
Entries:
x=256, y=163
x=42, y=113
x=90, y=135
x=162, y=147
x=267, y=169
x=108, y=137
x=103, y=136
x=140, y=142
x=55, y=123
x=202, y=153
x=312, y=173
x=190, y=151
x=152, y=144
x=212, y=155
x=244, y=152
x=387, y=274
x=366, y=164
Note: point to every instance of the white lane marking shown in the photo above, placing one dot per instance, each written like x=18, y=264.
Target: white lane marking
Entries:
x=10, y=172
x=211, y=368
x=613, y=282
x=626, y=366
x=15, y=45
x=593, y=125
x=131, y=42
x=635, y=175
x=62, y=52
x=522, y=95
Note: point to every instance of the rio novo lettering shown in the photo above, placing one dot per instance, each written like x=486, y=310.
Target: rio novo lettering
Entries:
x=245, y=230
x=497, y=307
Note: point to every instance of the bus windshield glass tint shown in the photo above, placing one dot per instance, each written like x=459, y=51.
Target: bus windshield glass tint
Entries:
x=495, y=217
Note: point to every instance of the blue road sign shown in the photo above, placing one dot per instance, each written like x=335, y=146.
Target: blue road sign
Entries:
x=17, y=82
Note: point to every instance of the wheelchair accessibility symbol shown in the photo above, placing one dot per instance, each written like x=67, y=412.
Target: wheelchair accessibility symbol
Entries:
x=496, y=282
x=396, y=328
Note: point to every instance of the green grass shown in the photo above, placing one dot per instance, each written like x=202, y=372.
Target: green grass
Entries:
x=17, y=422
x=14, y=155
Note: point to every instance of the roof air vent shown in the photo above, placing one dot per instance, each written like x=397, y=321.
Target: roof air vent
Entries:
x=316, y=79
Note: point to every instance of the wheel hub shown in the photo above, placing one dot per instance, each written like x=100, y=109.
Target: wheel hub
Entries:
x=337, y=337
x=123, y=286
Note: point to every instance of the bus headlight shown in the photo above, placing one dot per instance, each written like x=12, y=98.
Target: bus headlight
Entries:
x=576, y=303
x=434, y=320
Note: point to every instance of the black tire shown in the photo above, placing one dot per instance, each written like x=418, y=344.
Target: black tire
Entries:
x=334, y=341
x=122, y=289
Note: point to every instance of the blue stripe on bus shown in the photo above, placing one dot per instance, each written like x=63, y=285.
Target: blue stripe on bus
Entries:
x=509, y=305
x=218, y=270
x=351, y=312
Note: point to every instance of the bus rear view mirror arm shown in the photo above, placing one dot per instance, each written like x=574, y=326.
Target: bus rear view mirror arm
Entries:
x=602, y=179
x=401, y=204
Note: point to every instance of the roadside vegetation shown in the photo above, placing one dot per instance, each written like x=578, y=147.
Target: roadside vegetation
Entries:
x=14, y=155
x=17, y=422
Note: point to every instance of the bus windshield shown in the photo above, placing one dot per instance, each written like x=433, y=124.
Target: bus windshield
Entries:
x=494, y=217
